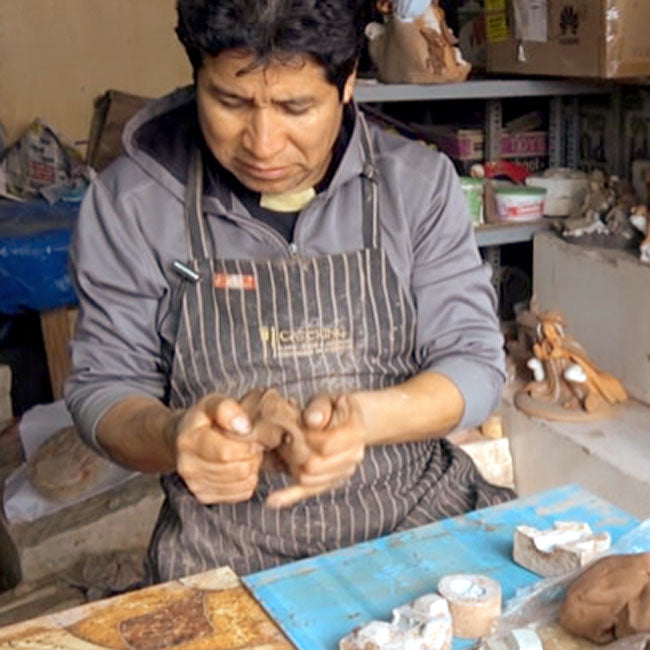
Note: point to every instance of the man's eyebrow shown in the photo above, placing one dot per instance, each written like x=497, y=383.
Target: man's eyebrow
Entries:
x=295, y=101
x=301, y=99
x=216, y=89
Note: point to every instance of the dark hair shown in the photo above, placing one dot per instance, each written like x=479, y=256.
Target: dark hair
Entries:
x=329, y=31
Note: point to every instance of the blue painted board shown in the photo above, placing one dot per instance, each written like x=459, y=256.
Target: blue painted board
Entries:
x=318, y=600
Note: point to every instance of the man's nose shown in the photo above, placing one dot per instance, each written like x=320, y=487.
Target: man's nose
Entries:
x=264, y=137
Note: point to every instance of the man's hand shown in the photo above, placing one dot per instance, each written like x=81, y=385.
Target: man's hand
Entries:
x=335, y=434
x=216, y=454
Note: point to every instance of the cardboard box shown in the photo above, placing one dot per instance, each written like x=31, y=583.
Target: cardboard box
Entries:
x=467, y=146
x=570, y=38
x=112, y=111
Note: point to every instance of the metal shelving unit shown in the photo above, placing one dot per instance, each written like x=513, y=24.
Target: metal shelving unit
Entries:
x=563, y=119
x=372, y=91
x=495, y=234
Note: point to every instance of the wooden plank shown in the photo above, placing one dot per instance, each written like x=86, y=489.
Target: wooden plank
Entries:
x=57, y=326
x=319, y=600
x=211, y=611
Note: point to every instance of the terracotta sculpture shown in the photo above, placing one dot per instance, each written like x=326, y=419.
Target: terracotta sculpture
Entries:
x=418, y=50
x=587, y=218
x=567, y=385
x=641, y=221
x=604, y=216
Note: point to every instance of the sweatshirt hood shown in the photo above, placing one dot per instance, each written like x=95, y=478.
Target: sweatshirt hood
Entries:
x=160, y=137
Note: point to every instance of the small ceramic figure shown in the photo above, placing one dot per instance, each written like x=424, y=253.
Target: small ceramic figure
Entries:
x=641, y=221
x=586, y=219
x=566, y=385
x=415, y=50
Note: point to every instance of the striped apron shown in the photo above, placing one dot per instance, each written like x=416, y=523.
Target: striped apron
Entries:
x=332, y=323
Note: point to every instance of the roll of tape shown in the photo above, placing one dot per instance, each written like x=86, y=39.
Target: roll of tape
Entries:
x=474, y=602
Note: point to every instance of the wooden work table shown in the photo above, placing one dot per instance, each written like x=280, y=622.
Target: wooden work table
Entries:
x=312, y=603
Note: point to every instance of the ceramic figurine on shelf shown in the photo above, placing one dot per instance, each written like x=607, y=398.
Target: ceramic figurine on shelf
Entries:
x=586, y=218
x=414, y=44
x=567, y=385
x=641, y=221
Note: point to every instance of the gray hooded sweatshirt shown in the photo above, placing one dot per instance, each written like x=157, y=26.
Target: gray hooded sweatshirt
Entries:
x=130, y=230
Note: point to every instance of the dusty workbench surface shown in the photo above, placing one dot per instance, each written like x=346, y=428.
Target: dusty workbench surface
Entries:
x=211, y=611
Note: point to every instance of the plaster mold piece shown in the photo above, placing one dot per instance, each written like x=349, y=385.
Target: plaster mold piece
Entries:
x=423, y=624
x=610, y=600
x=554, y=552
x=474, y=602
x=567, y=386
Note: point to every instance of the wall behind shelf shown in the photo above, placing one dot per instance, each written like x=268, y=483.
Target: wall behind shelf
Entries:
x=57, y=56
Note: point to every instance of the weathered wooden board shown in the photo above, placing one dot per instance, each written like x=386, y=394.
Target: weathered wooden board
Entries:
x=211, y=611
x=319, y=600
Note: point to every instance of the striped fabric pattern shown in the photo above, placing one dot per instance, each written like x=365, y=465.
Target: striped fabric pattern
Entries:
x=334, y=324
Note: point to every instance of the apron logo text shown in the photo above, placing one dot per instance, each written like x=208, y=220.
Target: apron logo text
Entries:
x=305, y=341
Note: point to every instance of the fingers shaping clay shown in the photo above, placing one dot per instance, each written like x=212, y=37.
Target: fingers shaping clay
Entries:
x=567, y=546
x=423, y=624
x=474, y=602
x=610, y=600
x=277, y=425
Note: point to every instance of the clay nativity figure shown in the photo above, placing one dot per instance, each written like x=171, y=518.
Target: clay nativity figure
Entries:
x=567, y=385
x=414, y=44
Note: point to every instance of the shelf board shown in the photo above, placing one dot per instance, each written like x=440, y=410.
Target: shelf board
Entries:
x=509, y=233
x=372, y=91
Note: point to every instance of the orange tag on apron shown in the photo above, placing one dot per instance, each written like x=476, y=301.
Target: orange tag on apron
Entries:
x=234, y=281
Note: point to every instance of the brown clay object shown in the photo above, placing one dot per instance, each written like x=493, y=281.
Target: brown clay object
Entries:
x=570, y=386
x=64, y=467
x=277, y=425
x=610, y=600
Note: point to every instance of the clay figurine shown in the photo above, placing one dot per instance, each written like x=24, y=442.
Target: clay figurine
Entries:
x=586, y=218
x=422, y=49
x=641, y=221
x=567, y=385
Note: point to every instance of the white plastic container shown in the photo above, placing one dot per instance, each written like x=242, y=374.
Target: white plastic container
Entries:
x=565, y=190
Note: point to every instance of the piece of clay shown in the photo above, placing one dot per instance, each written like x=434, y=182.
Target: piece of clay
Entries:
x=64, y=468
x=277, y=425
x=474, y=602
x=559, y=550
x=423, y=624
x=610, y=600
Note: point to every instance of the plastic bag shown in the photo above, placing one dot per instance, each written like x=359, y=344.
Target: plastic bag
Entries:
x=539, y=605
x=41, y=164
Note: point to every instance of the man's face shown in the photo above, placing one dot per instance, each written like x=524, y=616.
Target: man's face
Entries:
x=273, y=126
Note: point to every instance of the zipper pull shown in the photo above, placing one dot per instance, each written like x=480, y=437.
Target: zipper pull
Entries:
x=293, y=249
x=185, y=271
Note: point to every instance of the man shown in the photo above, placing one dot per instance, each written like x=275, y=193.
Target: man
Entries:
x=258, y=234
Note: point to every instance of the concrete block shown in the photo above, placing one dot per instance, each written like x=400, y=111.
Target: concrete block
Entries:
x=604, y=298
x=610, y=458
x=118, y=520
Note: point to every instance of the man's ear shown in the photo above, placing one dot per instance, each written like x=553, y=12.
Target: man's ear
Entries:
x=348, y=89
